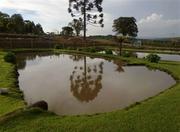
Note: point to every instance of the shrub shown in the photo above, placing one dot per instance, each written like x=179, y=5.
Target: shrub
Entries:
x=10, y=57
x=98, y=49
x=93, y=50
x=126, y=54
x=58, y=47
x=108, y=52
x=129, y=54
x=79, y=49
x=71, y=48
x=153, y=58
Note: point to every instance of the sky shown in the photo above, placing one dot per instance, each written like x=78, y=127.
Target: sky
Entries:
x=155, y=18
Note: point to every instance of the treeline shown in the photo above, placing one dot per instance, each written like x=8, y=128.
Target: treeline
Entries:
x=15, y=24
x=107, y=37
x=161, y=43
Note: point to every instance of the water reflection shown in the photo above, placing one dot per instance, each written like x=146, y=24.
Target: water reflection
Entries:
x=23, y=58
x=86, y=81
x=119, y=65
x=76, y=57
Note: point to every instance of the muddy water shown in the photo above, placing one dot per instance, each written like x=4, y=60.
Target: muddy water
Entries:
x=72, y=84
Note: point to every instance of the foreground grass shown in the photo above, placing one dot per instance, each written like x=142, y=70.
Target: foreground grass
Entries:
x=13, y=101
x=158, y=114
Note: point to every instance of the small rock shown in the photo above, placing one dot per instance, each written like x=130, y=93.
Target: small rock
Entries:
x=4, y=91
x=41, y=104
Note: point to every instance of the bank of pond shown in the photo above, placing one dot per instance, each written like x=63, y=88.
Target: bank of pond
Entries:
x=77, y=84
x=141, y=55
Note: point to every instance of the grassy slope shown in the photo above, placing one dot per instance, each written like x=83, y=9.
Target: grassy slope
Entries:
x=160, y=113
x=13, y=101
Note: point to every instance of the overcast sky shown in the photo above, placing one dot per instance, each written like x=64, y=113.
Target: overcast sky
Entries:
x=155, y=18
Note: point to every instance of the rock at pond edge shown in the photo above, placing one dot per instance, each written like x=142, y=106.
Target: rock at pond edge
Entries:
x=40, y=104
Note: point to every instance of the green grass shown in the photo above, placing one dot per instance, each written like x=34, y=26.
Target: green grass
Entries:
x=157, y=114
x=13, y=101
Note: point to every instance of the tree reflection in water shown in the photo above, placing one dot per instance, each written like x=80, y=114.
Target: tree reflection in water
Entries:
x=86, y=81
x=119, y=65
x=22, y=58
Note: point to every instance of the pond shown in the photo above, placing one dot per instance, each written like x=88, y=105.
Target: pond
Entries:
x=167, y=57
x=74, y=84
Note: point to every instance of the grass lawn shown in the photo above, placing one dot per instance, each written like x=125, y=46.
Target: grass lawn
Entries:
x=13, y=101
x=158, y=114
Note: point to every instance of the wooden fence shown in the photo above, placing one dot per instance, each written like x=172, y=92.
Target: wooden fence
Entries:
x=10, y=41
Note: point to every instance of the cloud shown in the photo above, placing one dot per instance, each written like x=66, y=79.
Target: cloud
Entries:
x=51, y=14
x=156, y=26
x=152, y=18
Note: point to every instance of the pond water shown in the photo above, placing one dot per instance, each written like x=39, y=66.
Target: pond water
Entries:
x=73, y=84
x=167, y=57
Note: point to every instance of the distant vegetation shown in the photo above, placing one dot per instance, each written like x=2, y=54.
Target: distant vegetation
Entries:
x=77, y=26
x=67, y=31
x=17, y=25
x=163, y=42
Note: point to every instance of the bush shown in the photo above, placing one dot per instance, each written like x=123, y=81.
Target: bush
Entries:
x=108, y=52
x=129, y=54
x=98, y=49
x=10, y=57
x=153, y=58
x=126, y=54
x=58, y=47
x=92, y=50
x=71, y=48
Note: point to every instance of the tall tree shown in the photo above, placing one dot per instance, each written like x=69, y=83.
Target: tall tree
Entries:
x=67, y=31
x=38, y=29
x=4, y=19
x=17, y=23
x=83, y=9
x=77, y=25
x=126, y=27
x=29, y=26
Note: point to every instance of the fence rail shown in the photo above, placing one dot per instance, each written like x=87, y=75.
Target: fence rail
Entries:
x=10, y=43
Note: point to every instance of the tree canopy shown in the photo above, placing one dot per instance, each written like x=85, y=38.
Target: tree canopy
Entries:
x=88, y=11
x=77, y=25
x=67, y=31
x=125, y=26
x=16, y=24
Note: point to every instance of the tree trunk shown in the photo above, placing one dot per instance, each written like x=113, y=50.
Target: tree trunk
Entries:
x=85, y=22
x=120, y=48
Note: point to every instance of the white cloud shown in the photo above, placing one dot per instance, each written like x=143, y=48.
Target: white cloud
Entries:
x=152, y=18
x=156, y=26
x=50, y=13
x=53, y=15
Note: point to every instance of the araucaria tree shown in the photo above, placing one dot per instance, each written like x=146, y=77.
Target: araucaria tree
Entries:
x=87, y=11
x=126, y=27
x=77, y=25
